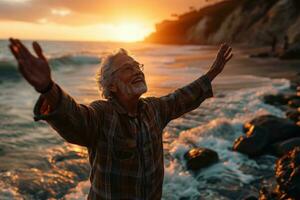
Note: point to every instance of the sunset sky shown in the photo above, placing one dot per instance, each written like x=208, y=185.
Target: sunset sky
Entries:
x=100, y=20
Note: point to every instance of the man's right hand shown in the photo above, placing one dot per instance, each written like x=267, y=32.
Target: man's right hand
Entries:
x=34, y=69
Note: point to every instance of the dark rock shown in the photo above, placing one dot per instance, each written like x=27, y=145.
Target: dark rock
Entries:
x=294, y=103
x=280, y=99
x=254, y=143
x=198, y=158
x=275, y=99
x=287, y=172
x=251, y=198
x=292, y=96
x=293, y=115
x=264, y=194
x=279, y=129
x=264, y=131
x=284, y=147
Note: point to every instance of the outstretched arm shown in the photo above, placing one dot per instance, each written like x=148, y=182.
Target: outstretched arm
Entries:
x=76, y=123
x=191, y=96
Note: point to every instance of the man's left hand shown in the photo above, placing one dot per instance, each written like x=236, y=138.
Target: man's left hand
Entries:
x=224, y=55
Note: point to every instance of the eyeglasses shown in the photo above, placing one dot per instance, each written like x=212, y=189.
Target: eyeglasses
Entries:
x=130, y=68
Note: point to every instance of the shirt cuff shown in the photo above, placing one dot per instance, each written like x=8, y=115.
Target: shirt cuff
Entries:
x=51, y=100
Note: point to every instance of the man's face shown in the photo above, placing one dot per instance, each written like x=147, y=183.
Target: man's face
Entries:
x=129, y=77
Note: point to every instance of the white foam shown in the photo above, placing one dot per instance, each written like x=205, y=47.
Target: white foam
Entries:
x=8, y=193
x=178, y=183
x=228, y=114
x=79, y=192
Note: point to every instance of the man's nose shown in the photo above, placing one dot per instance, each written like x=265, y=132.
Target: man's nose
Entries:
x=137, y=72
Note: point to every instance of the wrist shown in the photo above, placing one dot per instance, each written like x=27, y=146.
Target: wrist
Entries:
x=46, y=89
x=210, y=75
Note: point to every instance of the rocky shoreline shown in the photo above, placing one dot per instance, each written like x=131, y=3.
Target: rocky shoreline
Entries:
x=272, y=135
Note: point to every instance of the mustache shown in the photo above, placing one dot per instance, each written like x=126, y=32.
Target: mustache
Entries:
x=138, y=75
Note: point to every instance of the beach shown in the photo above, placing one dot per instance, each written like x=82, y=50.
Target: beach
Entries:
x=37, y=164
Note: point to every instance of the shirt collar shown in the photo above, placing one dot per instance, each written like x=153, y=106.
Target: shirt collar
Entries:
x=120, y=109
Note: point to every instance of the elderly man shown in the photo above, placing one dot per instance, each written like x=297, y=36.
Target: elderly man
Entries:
x=123, y=134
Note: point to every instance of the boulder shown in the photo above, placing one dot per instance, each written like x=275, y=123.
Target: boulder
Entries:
x=285, y=146
x=293, y=114
x=278, y=99
x=254, y=143
x=264, y=194
x=251, y=198
x=294, y=103
x=267, y=134
x=287, y=172
x=277, y=128
x=198, y=158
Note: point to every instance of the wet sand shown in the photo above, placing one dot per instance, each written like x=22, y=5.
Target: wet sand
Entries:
x=243, y=64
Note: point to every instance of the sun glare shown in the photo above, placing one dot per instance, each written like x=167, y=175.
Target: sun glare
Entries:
x=130, y=32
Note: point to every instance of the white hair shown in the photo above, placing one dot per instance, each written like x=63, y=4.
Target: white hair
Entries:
x=104, y=76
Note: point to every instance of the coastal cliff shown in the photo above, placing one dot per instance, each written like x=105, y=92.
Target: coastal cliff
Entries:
x=252, y=22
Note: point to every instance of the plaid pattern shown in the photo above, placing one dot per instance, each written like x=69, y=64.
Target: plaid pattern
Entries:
x=125, y=152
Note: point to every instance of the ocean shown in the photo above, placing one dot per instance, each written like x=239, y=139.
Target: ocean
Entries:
x=36, y=163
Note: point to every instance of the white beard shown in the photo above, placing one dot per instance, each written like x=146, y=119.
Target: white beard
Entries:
x=132, y=89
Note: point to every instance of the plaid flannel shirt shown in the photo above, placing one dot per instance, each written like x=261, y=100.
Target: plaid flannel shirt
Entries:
x=125, y=152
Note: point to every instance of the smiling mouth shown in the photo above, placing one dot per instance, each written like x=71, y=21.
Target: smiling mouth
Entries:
x=137, y=80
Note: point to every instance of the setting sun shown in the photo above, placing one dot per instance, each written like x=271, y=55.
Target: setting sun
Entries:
x=130, y=32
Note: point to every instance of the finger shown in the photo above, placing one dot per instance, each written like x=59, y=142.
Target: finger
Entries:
x=12, y=41
x=227, y=52
x=223, y=49
x=23, y=49
x=18, y=47
x=227, y=59
x=38, y=50
x=14, y=47
x=14, y=51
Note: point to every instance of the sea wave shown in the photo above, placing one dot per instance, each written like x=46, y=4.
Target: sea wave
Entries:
x=66, y=168
x=9, y=69
x=74, y=60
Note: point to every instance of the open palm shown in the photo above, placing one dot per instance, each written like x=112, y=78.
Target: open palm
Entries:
x=223, y=56
x=35, y=69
